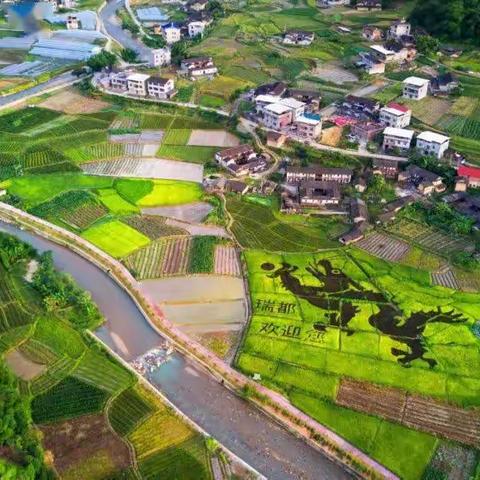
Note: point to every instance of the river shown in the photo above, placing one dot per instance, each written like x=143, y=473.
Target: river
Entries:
x=235, y=423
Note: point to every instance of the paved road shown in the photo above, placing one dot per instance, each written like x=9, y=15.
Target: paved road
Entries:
x=62, y=80
x=111, y=26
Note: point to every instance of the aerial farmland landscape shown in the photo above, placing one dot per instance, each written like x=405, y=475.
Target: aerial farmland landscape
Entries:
x=239, y=239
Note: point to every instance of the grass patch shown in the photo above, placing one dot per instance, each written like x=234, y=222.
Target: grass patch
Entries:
x=170, y=192
x=202, y=255
x=115, y=238
x=187, y=153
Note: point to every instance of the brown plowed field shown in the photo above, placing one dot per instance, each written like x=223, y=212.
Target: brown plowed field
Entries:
x=414, y=411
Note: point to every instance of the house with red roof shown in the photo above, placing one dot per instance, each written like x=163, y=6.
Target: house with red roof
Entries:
x=395, y=115
x=471, y=176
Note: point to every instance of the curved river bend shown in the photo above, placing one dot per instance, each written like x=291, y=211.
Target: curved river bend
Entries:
x=235, y=423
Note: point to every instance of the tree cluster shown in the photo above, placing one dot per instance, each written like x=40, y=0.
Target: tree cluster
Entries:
x=102, y=60
x=453, y=19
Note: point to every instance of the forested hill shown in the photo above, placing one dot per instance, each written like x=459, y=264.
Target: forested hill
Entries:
x=451, y=19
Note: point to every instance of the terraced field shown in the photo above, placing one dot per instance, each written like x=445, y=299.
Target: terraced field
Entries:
x=384, y=247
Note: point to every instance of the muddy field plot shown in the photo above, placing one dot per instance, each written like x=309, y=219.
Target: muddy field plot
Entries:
x=384, y=247
x=74, y=442
x=154, y=227
x=146, y=168
x=71, y=102
x=212, y=138
x=24, y=367
x=414, y=411
x=226, y=261
x=335, y=73
x=191, y=212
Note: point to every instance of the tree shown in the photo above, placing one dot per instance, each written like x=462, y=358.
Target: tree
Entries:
x=427, y=44
x=179, y=51
x=452, y=19
x=129, y=55
x=154, y=41
x=102, y=60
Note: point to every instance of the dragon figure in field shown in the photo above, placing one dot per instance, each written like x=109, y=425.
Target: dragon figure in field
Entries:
x=336, y=295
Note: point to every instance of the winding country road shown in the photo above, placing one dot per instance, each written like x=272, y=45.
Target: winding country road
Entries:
x=111, y=25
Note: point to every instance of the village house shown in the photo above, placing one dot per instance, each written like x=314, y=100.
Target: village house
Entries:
x=157, y=29
x=161, y=87
x=450, y=51
x=160, y=57
x=423, y=181
x=298, y=37
x=432, y=144
x=297, y=107
x=372, y=33
x=444, y=84
x=321, y=174
x=277, y=116
x=398, y=29
x=403, y=53
x=276, y=89
x=395, y=115
x=311, y=98
x=196, y=5
x=391, y=209
x=261, y=101
x=195, y=28
x=383, y=54
x=116, y=80
x=72, y=22
x=466, y=204
x=198, y=67
x=137, y=84
x=309, y=126
x=201, y=16
x=332, y=3
x=397, y=138
x=370, y=64
x=387, y=168
x=368, y=5
x=275, y=139
x=415, y=88
x=314, y=193
x=171, y=32
x=470, y=174
x=241, y=160
x=366, y=131
x=234, y=186
x=368, y=106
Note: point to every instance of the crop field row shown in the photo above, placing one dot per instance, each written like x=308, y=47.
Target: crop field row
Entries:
x=417, y=412
x=40, y=156
x=98, y=370
x=461, y=126
x=226, y=261
x=177, y=137
x=153, y=226
x=21, y=120
x=445, y=278
x=95, y=151
x=128, y=410
x=161, y=258
x=255, y=226
x=57, y=371
x=187, y=153
x=428, y=237
x=69, y=398
x=12, y=315
x=384, y=247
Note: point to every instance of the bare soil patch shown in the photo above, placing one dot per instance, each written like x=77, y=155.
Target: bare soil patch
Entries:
x=23, y=367
x=74, y=441
x=332, y=136
x=335, y=73
x=191, y=212
x=70, y=101
x=213, y=138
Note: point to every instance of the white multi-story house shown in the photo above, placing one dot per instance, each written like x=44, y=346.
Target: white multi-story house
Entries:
x=160, y=57
x=415, y=88
x=296, y=106
x=196, y=28
x=277, y=116
x=158, y=87
x=261, y=101
x=395, y=115
x=137, y=84
x=432, y=144
x=308, y=127
x=198, y=67
x=171, y=33
x=398, y=29
x=383, y=54
x=117, y=81
x=397, y=138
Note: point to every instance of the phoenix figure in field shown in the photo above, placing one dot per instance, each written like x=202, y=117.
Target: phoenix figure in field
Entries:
x=336, y=294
